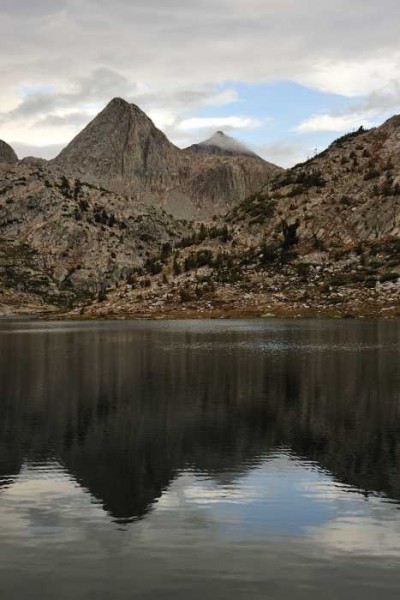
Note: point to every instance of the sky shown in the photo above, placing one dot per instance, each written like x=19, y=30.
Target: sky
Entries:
x=286, y=77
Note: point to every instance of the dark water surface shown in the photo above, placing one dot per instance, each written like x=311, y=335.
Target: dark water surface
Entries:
x=187, y=460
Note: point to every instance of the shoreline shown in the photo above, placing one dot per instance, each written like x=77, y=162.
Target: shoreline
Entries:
x=191, y=313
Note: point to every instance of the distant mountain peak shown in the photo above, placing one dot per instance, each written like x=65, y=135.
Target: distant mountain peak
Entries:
x=224, y=145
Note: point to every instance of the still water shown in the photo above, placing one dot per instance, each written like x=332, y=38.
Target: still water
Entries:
x=184, y=460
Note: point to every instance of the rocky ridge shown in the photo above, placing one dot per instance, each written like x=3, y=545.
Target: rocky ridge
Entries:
x=123, y=150
x=321, y=239
x=65, y=241
x=7, y=154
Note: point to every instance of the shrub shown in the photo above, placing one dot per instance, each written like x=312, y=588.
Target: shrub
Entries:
x=303, y=270
x=102, y=295
x=270, y=252
x=372, y=173
x=152, y=266
x=346, y=200
x=290, y=237
x=296, y=191
x=185, y=295
x=177, y=269
x=311, y=178
x=389, y=277
x=166, y=252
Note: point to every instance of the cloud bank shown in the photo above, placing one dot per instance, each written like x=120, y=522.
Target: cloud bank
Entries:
x=63, y=61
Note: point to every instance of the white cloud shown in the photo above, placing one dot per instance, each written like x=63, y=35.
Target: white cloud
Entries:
x=170, y=56
x=368, y=112
x=285, y=153
x=228, y=96
x=163, y=119
x=337, y=123
x=357, y=77
x=233, y=122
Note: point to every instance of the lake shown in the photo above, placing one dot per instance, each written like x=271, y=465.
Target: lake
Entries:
x=200, y=459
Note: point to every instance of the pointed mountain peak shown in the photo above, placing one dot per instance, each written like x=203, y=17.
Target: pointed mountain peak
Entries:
x=118, y=100
x=7, y=154
x=223, y=145
x=119, y=106
x=121, y=146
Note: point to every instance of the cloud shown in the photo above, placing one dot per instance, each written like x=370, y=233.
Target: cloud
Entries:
x=228, y=96
x=46, y=152
x=367, y=112
x=333, y=123
x=172, y=57
x=355, y=77
x=285, y=154
x=234, y=122
x=31, y=10
x=84, y=91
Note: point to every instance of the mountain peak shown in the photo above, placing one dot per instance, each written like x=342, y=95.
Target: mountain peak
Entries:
x=118, y=100
x=124, y=151
x=223, y=145
x=123, y=147
x=121, y=106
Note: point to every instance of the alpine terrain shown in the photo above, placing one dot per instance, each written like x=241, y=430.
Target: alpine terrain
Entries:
x=123, y=150
x=123, y=223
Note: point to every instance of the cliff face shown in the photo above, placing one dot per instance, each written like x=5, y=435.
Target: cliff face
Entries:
x=7, y=154
x=217, y=184
x=64, y=240
x=123, y=150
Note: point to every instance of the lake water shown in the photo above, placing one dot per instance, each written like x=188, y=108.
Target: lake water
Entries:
x=200, y=460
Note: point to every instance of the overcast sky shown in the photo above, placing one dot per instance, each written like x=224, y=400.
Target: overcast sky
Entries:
x=284, y=76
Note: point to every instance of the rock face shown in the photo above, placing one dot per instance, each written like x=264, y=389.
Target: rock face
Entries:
x=7, y=154
x=221, y=144
x=123, y=150
x=347, y=194
x=62, y=239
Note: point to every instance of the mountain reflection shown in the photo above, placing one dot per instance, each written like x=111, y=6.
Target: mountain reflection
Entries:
x=126, y=407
